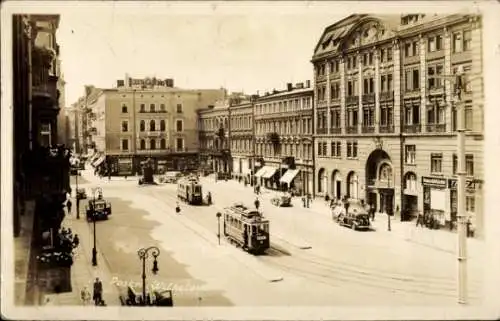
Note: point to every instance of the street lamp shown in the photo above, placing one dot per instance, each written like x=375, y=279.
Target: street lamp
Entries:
x=94, y=249
x=218, y=225
x=143, y=255
x=77, y=199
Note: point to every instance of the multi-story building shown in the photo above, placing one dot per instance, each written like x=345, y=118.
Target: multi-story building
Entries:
x=283, y=122
x=147, y=118
x=213, y=126
x=241, y=136
x=385, y=112
x=40, y=168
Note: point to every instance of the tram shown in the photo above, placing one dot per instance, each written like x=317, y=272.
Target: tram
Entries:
x=247, y=228
x=189, y=191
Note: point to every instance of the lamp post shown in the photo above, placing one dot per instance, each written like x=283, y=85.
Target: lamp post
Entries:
x=218, y=225
x=143, y=254
x=94, y=249
x=77, y=200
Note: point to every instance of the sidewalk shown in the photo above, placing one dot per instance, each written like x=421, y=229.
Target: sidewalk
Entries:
x=441, y=240
x=82, y=272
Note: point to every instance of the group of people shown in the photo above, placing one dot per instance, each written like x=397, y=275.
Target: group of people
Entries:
x=67, y=241
x=97, y=294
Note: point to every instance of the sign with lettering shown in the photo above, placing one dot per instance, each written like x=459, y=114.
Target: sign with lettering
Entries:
x=434, y=181
x=470, y=184
x=150, y=82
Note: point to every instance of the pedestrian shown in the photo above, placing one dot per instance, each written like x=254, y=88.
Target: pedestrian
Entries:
x=308, y=200
x=97, y=291
x=125, y=177
x=209, y=198
x=76, y=241
x=85, y=296
x=257, y=203
x=68, y=205
x=303, y=201
x=177, y=208
x=419, y=219
x=372, y=212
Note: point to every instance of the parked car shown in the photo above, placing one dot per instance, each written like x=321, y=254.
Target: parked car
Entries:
x=282, y=200
x=132, y=296
x=356, y=216
x=98, y=210
x=81, y=194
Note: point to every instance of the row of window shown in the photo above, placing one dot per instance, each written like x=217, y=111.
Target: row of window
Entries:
x=212, y=123
x=125, y=145
x=284, y=106
x=302, y=151
x=179, y=125
x=242, y=122
x=298, y=126
x=152, y=108
x=241, y=145
x=386, y=117
x=336, y=149
x=437, y=161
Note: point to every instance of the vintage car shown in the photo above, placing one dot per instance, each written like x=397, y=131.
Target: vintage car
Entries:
x=282, y=200
x=81, y=194
x=171, y=177
x=132, y=296
x=98, y=209
x=356, y=217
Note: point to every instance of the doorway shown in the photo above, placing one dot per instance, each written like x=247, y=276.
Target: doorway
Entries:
x=387, y=201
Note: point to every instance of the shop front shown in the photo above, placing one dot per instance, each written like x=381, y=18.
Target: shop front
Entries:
x=124, y=166
x=473, y=201
x=434, y=201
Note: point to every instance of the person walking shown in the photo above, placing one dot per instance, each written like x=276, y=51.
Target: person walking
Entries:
x=420, y=219
x=177, y=208
x=85, y=296
x=97, y=292
x=69, y=205
x=257, y=203
x=76, y=241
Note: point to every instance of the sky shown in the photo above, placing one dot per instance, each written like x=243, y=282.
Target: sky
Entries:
x=237, y=51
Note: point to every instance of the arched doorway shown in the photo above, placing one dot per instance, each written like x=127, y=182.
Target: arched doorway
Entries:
x=352, y=185
x=380, y=181
x=322, y=180
x=409, y=207
x=336, y=184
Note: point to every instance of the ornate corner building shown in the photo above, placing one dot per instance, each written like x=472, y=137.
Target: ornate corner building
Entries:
x=41, y=166
x=385, y=114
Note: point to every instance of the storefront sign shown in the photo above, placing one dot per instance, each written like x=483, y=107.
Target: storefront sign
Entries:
x=470, y=184
x=434, y=181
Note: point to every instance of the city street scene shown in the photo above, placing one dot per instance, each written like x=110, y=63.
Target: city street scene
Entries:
x=343, y=168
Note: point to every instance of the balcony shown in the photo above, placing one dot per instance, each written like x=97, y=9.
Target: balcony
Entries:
x=335, y=130
x=352, y=100
x=152, y=133
x=368, y=129
x=321, y=103
x=386, y=129
x=352, y=129
x=143, y=111
x=412, y=128
x=384, y=96
x=321, y=131
x=44, y=85
x=335, y=101
x=377, y=183
x=435, y=128
x=368, y=98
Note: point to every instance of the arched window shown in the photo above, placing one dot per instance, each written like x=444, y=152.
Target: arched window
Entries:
x=152, y=125
x=162, y=125
x=321, y=180
x=352, y=180
x=152, y=144
x=142, y=126
x=143, y=144
x=163, y=144
x=152, y=107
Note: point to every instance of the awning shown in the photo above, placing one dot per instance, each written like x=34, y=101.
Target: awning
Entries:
x=289, y=176
x=260, y=172
x=99, y=161
x=270, y=172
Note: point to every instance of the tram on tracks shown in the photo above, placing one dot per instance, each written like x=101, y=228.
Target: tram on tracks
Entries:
x=189, y=190
x=247, y=228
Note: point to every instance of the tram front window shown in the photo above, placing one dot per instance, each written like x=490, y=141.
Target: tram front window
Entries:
x=197, y=190
x=263, y=229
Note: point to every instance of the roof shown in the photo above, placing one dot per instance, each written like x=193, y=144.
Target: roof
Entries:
x=287, y=93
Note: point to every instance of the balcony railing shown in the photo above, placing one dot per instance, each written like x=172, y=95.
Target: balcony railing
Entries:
x=321, y=130
x=368, y=98
x=386, y=129
x=321, y=103
x=143, y=111
x=389, y=95
x=352, y=129
x=335, y=130
x=373, y=182
x=436, y=128
x=44, y=85
x=412, y=128
x=368, y=129
x=352, y=100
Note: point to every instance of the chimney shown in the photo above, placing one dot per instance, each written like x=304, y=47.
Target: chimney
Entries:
x=299, y=85
x=169, y=82
x=308, y=84
x=289, y=86
x=275, y=91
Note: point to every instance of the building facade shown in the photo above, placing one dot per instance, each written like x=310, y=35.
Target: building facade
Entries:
x=214, y=130
x=147, y=118
x=241, y=137
x=283, y=122
x=385, y=112
x=40, y=166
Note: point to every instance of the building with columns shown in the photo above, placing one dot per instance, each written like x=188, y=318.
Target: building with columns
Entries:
x=283, y=122
x=385, y=113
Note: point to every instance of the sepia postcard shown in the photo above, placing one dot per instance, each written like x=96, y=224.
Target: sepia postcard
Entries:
x=250, y=160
